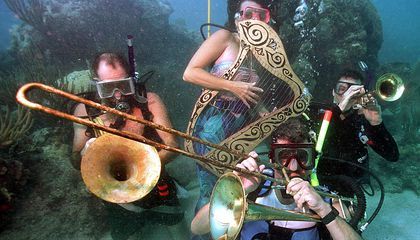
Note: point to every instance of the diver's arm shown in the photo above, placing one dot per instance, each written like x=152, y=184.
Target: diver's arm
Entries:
x=305, y=195
x=79, y=137
x=160, y=116
x=382, y=142
x=219, y=46
x=206, y=55
x=338, y=228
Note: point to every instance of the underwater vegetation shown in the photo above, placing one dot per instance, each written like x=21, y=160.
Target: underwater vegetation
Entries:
x=68, y=34
x=13, y=175
x=14, y=126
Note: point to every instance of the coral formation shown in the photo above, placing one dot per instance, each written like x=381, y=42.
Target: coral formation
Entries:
x=76, y=82
x=73, y=31
x=403, y=175
x=13, y=176
x=68, y=34
x=328, y=36
x=13, y=127
x=54, y=197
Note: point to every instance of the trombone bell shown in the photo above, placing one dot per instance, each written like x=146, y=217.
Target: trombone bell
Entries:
x=229, y=209
x=120, y=170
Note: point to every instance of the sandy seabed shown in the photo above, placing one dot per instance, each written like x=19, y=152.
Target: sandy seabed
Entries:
x=398, y=219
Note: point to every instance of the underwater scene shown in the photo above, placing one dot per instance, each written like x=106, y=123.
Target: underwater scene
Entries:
x=209, y=119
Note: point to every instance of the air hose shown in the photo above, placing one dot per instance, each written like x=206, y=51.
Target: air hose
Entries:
x=347, y=187
x=381, y=200
x=214, y=25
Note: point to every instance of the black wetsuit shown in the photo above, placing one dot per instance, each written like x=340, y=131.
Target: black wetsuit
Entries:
x=348, y=139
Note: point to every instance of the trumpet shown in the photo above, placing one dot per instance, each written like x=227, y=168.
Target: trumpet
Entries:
x=389, y=87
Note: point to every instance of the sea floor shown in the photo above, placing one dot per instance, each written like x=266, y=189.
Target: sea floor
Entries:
x=398, y=219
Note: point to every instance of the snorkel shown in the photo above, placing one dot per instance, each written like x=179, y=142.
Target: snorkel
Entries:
x=319, y=144
x=141, y=94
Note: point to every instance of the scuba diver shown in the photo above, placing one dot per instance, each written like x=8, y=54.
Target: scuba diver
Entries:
x=353, y=129
x=291, y=148
x=116, y=89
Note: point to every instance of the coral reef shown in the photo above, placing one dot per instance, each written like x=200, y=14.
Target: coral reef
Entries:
x=13, y=127
x=32, y=68
x=73, y=31
x=55, y=195
x=9, y=84
x=77, y=82
x=67, y=34
x=13, y=177
x=402, y=175
x=330, y=34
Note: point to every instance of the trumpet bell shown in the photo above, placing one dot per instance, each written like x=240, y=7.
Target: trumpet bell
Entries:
x=229, y=209
x=120, y=170
x=390, y=87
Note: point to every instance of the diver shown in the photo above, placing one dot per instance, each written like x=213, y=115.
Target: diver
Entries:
x=292, y=149
x=116, y=89
x=353, y=129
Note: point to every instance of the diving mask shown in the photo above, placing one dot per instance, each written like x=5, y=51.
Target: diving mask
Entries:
x=107, y=88
x=341, y=87
x=261, y=14
x=303, y=153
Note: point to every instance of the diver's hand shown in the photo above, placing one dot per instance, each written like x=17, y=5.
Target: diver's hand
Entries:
x=373, y=113
x=246, y=92
x=87, y=145
x=305, y=195
x=249, y=182
x=348, y=97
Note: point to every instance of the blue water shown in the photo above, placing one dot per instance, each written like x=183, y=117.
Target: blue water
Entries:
x=400, y=23
x=194, y=19
x=7, y=20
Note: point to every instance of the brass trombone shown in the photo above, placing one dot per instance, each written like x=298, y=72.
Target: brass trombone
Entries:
x=229, y=209
x=142, y=187
x=118, y=180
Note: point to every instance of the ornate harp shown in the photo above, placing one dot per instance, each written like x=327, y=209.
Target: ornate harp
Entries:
x=262, y=54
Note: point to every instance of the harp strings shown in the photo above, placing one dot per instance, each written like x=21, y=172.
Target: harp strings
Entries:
x=276, y=95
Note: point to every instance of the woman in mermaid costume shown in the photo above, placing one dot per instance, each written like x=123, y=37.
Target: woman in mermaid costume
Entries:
x=227, y=113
